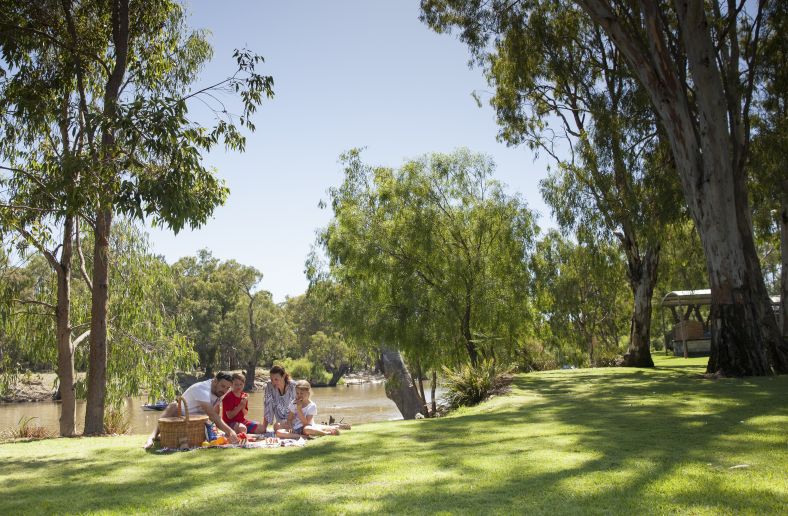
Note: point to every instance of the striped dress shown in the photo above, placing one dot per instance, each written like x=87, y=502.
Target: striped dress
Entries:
x=275, y=404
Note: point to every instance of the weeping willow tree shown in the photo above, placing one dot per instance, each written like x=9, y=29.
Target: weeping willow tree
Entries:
x=145, y=348
x=430, y=258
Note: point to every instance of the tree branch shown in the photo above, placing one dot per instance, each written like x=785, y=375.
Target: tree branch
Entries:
x=35, y=302
x=38, y=245
x=82, y=269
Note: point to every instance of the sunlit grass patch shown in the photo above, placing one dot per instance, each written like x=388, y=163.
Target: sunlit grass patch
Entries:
x=603, y=441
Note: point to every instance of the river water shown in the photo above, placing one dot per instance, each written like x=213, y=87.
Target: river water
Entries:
x=356, y=404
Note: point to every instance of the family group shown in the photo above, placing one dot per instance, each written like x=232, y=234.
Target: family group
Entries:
x=287, y=407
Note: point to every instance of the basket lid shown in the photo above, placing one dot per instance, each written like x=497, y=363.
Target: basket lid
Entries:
x=180, y=419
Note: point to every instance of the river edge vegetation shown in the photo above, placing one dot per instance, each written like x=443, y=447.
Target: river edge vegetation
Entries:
x=591, y=441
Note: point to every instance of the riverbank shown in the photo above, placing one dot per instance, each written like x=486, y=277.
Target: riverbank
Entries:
x=35, y=387
x=32, y=387
x=576, y=441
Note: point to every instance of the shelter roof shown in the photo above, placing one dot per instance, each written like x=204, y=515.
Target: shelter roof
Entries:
x=695, y=297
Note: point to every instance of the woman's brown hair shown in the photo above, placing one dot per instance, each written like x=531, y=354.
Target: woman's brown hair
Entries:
x=277, y=369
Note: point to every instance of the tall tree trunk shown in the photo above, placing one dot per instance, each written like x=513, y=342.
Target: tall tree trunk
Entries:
x=420, y=386
x=784, y=268
x=65, y=352
x=97, y=368
x=707, y=139
x=399, y=384
x=337, y=374
x=745, y=338
x=465, y=327
x=433, y=390
x=251, y=371
x=642, y=279
x=97, y=365
x=591, y=346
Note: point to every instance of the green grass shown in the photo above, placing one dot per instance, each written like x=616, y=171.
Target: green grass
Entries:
x=579, y=441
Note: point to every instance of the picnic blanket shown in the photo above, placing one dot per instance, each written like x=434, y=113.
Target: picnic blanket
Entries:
x=282, y=443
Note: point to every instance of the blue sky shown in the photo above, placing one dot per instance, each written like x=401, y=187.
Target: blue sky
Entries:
x=346, y=74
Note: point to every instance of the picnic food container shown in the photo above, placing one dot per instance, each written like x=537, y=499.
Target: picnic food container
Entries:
x=182, y=431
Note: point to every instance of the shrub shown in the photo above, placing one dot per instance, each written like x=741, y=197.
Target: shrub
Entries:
x=26, y=429
x=116, y=420
x=608, y=359
x=533, y=356
x=303, y=368
x=468, y=385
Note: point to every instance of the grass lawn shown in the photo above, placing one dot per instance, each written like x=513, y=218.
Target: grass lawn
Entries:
x=575, y=441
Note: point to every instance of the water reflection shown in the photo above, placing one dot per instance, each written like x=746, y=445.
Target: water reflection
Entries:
x=355, y=404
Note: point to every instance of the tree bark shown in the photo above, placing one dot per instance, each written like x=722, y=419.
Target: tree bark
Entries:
x=465, y=327
x=399, y=384
x=97, y=365
x=337, y=374
x=709, y=148
x=97, y=368
x=642, y=279
x=433, y=391
x=65, y=352
x=784, y=268
x=251, y=371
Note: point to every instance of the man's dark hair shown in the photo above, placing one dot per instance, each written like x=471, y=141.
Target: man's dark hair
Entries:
x=221, y=375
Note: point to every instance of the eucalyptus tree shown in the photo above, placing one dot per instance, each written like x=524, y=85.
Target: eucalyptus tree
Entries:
x=40, y=159
x=210, y=305
x=769, y=162
x=563, y=88
x=133, y=67
x=698, y=62
x=308, y=314
x=267, y=325
x=431, y=257
x=334, y=354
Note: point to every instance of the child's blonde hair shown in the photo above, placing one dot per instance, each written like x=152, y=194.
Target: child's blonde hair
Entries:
x=303, y=385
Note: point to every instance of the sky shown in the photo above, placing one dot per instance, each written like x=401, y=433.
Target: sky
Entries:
x=346, y=74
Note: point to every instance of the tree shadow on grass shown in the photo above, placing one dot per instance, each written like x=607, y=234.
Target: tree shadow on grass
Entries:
x=590, y=442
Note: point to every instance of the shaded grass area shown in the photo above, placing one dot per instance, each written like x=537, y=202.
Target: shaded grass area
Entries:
x=580, y=441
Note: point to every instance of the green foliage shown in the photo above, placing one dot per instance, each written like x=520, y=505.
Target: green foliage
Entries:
x=767, y=166
x=145, y=347
x=95, y=121
x=333, y=353
x=534, y=356
x=304, y=369
x=208, y=295
x=310, y=313
x=116, y=420
x=269, y=332
x=430, y=256
x=469, y=385
x=581, y=295
x=26, y=428
x=562, y=88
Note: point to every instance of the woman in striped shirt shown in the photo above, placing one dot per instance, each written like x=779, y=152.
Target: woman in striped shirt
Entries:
x=279, y=392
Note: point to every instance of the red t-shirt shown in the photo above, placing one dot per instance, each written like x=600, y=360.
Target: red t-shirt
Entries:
x=230, y=402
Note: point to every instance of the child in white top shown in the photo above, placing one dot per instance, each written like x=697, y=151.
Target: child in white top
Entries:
x=300, y=419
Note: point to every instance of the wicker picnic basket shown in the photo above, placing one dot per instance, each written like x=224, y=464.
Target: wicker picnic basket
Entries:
x=182, y=431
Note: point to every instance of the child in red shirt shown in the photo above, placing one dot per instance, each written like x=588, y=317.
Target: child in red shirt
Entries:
x=235, y=407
